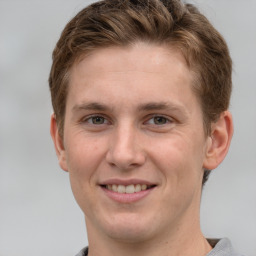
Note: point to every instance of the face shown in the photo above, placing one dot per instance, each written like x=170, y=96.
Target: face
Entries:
x=134, y=143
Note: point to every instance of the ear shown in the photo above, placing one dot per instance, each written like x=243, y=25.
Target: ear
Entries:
x=218, y=141
x=58, y=143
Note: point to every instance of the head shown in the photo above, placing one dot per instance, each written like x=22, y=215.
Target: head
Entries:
x=140, y=91
x=162, y=23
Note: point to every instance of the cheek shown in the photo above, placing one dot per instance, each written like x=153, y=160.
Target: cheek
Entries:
x=84, y=155
x=83, y=159
x=180, y=160
x=82, y=151
x=181, y=166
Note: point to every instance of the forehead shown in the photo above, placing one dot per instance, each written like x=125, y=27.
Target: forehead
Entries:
x=143, y=71
x=139, y=56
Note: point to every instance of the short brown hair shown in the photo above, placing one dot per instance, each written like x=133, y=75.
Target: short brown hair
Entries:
x=166, y=22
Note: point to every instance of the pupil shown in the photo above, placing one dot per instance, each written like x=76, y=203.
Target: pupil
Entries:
x=98, y=120
x=160, y=120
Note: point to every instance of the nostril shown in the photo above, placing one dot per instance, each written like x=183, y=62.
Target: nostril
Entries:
x=125, y=160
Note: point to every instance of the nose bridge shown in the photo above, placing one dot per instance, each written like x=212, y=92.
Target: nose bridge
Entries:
x=124, y=150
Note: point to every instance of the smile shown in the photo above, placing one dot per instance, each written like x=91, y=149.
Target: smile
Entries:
x=129, y=189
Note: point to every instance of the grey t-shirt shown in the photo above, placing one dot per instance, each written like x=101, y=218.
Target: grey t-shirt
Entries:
x=221, y=247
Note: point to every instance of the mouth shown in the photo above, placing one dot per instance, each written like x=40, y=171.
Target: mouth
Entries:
x=127, y=189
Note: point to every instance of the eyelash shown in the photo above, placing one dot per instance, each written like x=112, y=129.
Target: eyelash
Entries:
x=89, y=119
x=105, y=120
x=154, y=117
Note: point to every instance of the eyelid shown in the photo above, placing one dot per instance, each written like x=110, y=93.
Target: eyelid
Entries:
x=86, y=118
x=169, y=119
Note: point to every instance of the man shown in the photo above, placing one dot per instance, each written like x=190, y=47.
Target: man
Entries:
x=140, y=91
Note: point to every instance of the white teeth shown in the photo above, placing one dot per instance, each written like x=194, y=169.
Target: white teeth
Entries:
x=130, y=189
x=114, y=187
x=121, y=189
x=137, y=188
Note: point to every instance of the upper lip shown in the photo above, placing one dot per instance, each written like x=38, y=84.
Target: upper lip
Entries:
x=126, y=182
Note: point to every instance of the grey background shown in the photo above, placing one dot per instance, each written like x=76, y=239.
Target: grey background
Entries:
x=38, y=215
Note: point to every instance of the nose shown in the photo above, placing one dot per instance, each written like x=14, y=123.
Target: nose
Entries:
x=125, y=151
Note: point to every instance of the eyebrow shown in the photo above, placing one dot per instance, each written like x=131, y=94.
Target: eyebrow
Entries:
x=90, y=106
x=160, y=106
x=151, y=106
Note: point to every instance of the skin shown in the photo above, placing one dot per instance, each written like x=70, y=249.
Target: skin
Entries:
x=131, y=114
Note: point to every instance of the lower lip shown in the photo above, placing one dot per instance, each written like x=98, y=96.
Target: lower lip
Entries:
x=126, y=197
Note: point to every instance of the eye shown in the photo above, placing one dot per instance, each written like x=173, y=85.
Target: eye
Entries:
x=98, y=120
x=158, y=120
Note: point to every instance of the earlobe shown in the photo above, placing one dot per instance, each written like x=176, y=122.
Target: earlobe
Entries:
x=219, y=141
x=58, y=143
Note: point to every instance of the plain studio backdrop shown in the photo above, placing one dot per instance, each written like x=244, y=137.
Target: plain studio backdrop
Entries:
x=38, y=214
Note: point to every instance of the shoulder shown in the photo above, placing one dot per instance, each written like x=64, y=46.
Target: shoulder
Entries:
x=83, y=252
x=222, y=247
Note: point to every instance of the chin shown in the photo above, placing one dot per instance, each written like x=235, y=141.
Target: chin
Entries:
x=129, y=235
x=130, y=229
